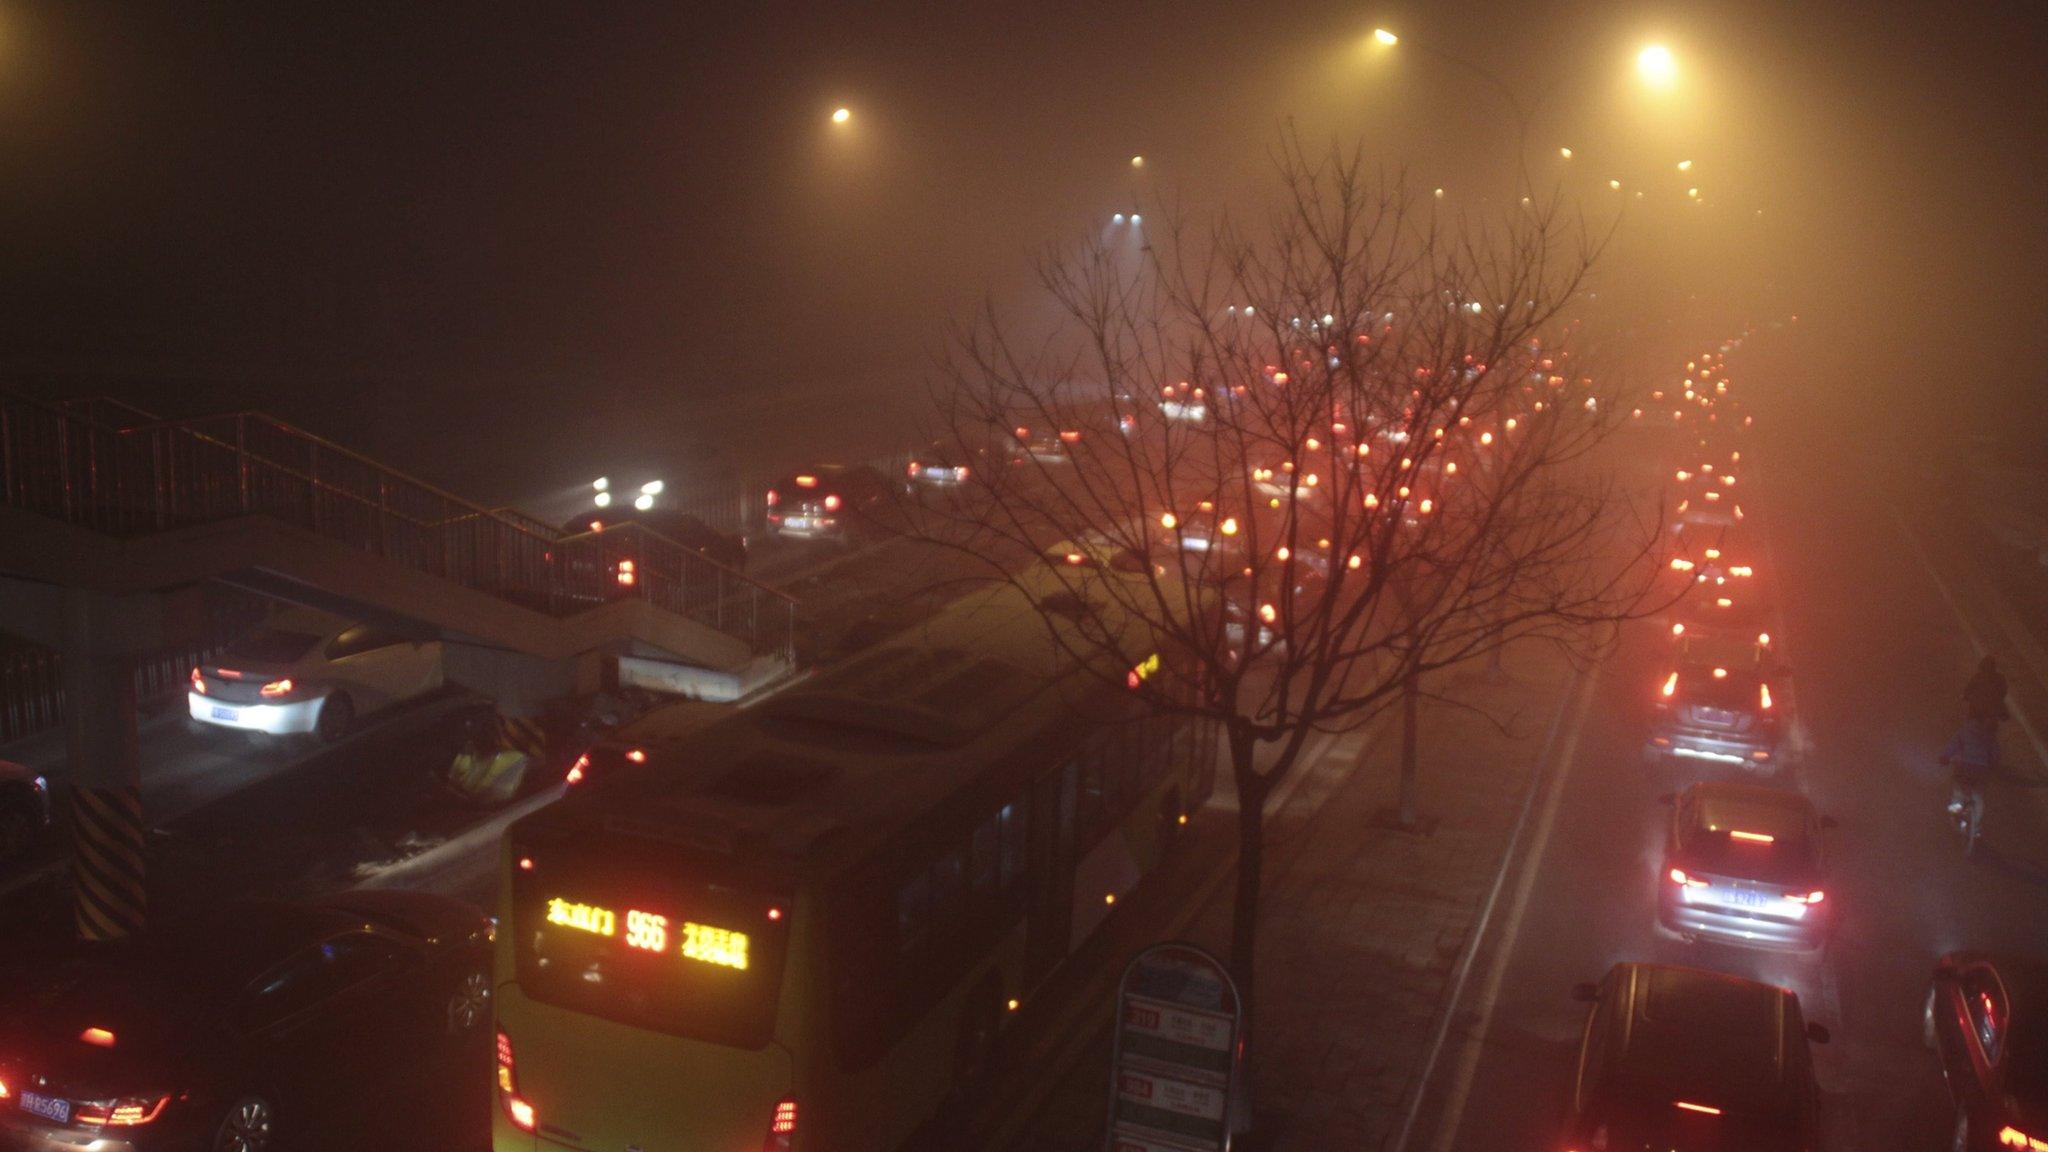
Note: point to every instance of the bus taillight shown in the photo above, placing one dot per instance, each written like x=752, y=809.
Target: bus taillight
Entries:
x=516, y=1106
x=782, y=1129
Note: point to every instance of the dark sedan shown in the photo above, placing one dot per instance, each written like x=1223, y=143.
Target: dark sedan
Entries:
x=831, y=502
x=1987, y=1017
x=239, y=1031
x=1684, y=1060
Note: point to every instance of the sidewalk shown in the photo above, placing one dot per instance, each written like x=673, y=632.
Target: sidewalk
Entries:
x=1362, y=925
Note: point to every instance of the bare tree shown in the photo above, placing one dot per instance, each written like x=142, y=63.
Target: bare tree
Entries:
x=1322, y=456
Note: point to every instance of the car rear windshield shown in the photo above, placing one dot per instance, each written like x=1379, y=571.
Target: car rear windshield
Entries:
x=1726, y=831
x=651, y=935
x=271, y=646
x=1735, y=692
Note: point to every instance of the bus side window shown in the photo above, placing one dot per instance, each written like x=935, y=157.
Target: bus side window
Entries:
x=1015, y=849
x=913, y=918
x=1091, y=811
x=949, y=888
x=982, y=863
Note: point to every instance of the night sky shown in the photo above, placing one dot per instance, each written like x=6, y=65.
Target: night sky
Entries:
x=510, y=246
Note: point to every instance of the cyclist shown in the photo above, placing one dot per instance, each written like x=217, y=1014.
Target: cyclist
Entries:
x=1971, y=757
x=1984, y=695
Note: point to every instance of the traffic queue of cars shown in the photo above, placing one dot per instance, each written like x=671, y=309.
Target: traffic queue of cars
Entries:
x=1685, y=1058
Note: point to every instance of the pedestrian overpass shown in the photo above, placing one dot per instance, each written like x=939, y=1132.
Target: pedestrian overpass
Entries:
x=111, y=521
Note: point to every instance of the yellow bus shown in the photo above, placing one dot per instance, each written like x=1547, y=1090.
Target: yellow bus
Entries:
x=797, y=927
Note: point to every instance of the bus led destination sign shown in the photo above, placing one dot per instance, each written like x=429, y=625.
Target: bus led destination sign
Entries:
x=652, y=932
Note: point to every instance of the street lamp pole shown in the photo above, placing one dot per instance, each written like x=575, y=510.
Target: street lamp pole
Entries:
x=1522, y=112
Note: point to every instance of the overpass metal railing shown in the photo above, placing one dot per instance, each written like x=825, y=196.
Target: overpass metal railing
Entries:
x=152, y=476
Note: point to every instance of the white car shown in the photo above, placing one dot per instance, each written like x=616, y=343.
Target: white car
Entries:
x=308, y=671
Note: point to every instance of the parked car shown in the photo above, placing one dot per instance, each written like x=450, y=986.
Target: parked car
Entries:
x=240, y=1030
x=727, y=548
x=1987, y=1018
x=24, y=809
x=830, y=502
x=1745, y=864
x=1685, y=1060
x=309, y=671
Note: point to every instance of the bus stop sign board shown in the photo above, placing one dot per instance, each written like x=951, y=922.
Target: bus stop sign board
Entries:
x=1177, y=1026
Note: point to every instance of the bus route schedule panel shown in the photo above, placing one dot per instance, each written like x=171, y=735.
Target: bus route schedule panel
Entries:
x=639, y=934
x=1175, y=1053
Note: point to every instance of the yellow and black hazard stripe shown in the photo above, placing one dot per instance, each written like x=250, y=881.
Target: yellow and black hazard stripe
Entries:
x=107, y=861
x=523, y=735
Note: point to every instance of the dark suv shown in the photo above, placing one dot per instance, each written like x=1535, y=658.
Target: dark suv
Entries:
x=1684, y=1060
x=830, y=502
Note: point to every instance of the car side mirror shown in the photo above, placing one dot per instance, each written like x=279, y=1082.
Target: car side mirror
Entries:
x=1586, y=993
x=1817, y=1033
x=1669, y=799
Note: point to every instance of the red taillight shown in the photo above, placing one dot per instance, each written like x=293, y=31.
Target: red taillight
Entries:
x=276, y=688
x=1813, y=897
x=772, y=498
x=637, y=756
x=126, y=1113
x=1679, y=878
x=832, y=503
x=576, y=770
x=782, y=1128
x=626, y=573
x=6, y=1093
x=198, y=682
x=960, y=473
x=517, y=1108
x=1670, y=684
x=1763, y=695
x=2011, y=1137
x=914, y=469
x=97, y=1037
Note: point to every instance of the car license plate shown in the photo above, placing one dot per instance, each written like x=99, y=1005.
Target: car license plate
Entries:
x=220, y=713
x=798, y=523
x=1716, y=716
x=1748, y=897
x=49, y=1108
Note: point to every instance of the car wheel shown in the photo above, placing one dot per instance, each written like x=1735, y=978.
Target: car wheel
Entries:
x=249, y=1126
x=1928, y=1035
x=469, y=1005
x=337, y=716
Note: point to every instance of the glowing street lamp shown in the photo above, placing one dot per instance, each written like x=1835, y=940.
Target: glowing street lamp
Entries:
x=1685, y=165
x=1657, y=66
x=1565, y=152
x=1385, y=37
x=842, y=115
x=1137, y=161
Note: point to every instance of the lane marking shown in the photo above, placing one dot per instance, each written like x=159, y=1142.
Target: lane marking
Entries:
x=1575, y=707
x=1970, y=631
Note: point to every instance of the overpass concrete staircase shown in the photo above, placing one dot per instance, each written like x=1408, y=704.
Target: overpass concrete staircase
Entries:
x=100, y=496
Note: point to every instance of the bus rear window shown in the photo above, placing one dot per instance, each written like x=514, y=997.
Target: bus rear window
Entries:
x=652, y=936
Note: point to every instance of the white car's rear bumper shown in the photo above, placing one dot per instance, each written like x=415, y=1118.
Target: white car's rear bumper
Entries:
x=282, y=719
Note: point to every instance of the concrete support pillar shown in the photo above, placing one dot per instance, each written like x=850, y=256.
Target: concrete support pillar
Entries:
x=105, y=770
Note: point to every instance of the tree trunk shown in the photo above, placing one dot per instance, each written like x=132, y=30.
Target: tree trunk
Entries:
x=1244, y=924
x=1411, y=720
